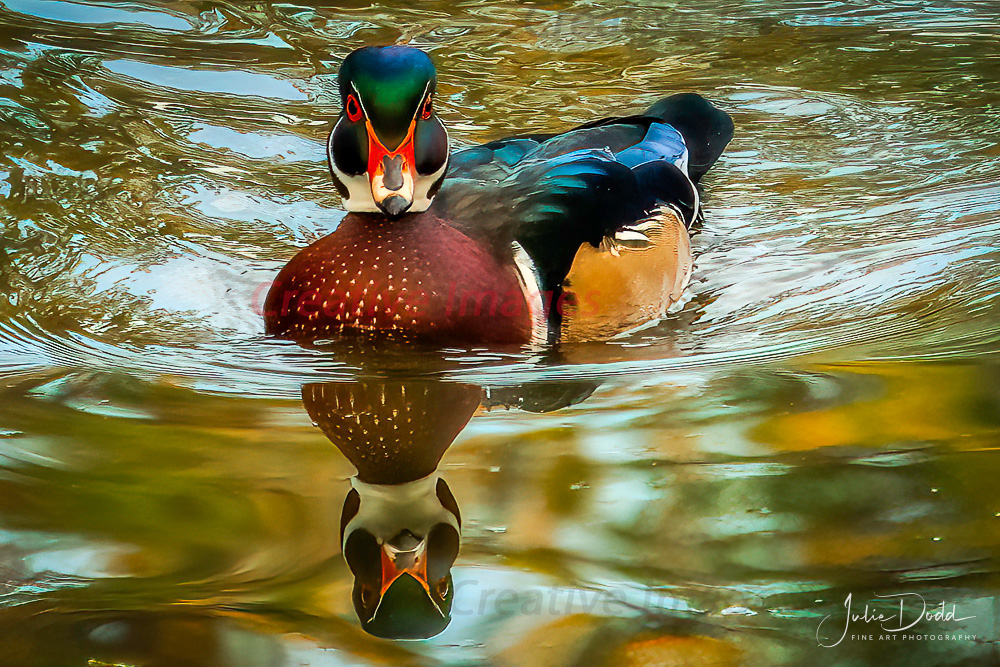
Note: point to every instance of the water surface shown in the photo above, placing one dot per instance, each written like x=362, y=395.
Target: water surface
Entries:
x=820, y=418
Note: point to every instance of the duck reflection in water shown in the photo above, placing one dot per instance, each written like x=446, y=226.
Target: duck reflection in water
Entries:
x=401, y=525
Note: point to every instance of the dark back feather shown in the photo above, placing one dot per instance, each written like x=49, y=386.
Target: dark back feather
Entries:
x=552, y=193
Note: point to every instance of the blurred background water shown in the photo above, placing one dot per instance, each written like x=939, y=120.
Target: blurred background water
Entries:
x=821, y=418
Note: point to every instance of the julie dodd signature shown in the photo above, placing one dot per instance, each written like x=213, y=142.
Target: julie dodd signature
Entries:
x=912, y=611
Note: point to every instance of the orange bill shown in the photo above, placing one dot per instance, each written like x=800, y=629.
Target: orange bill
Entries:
x=395, y=564
x=392, y=173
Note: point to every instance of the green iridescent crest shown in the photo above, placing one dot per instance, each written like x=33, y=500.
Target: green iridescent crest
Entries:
x=391, y=82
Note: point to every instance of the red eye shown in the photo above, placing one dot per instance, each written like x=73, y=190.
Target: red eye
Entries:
x=425, y=112
x=353, y=109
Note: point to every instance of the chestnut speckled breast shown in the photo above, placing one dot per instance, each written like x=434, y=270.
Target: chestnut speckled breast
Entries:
x=412, y=278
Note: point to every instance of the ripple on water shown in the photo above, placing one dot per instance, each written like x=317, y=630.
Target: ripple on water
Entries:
x=818, y=419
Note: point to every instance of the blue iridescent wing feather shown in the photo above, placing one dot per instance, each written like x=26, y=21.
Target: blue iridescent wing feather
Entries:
x=552, y=193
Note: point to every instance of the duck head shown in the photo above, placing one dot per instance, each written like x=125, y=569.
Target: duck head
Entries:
x=400, y=542
x=388, y=151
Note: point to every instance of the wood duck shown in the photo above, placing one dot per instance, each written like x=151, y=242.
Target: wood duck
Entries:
x=400, y=527
x=531, y=239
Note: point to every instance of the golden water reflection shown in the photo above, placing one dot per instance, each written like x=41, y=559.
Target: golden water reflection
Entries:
x=719, y=526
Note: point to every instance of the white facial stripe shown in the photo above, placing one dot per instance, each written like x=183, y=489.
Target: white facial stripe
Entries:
x=359, y=198
x=423, y=98
x=387, y=510
x=421, y=199
x=361, y=100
